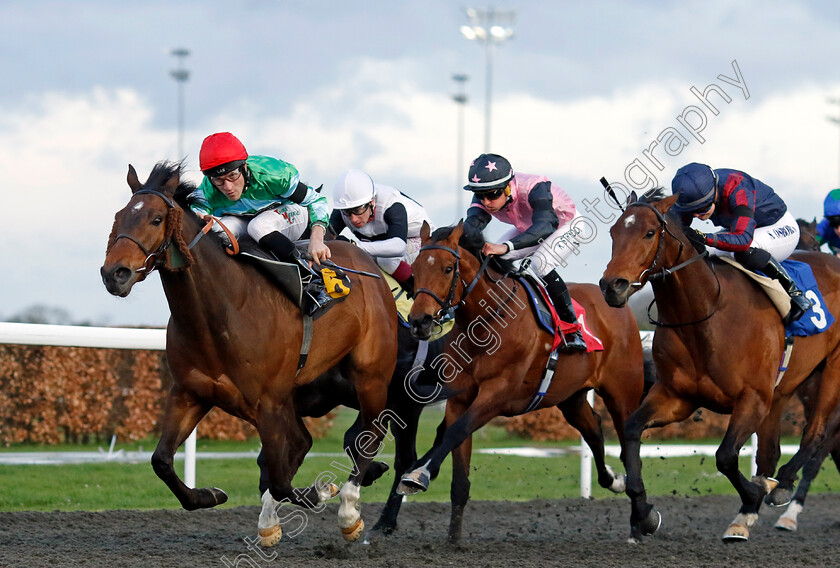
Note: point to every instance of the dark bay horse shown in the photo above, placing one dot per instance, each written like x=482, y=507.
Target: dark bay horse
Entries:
x=233, y=341
x=807, y=235
x=494, y=359
x=808, y=393
x=718, y=346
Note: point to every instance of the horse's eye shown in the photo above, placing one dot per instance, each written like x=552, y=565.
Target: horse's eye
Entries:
x=650, y=234
x=448, y=270
x=157, y=220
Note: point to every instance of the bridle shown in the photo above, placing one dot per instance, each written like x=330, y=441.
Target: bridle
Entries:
x=152, y=258
x=447, y=304
x=664, y=271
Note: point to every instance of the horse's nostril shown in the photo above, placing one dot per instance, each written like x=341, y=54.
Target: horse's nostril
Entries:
x=122, y=275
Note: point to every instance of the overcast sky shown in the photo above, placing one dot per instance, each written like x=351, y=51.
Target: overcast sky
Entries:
x=582, y=90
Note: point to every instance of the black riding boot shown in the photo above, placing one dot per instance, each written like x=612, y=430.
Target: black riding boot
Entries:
x=563, y=305
x=315, y=296
x=799, y=304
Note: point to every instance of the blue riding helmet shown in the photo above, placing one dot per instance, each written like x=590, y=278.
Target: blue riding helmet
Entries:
x=695, y=184
x=831, y=205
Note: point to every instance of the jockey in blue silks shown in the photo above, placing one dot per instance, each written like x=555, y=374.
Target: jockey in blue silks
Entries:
x=828, y=230
x=758, y=230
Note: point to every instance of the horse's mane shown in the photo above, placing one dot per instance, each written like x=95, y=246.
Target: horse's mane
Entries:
x=652, y=195
x=472, y=240
x=163, y=172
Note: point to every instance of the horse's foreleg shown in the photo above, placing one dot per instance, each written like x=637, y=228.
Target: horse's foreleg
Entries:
x=748, y=414
x=460, y=489
x=405, y=454
x=659, y=408
x=182, y=413
x=580, y=415
x=364, y=448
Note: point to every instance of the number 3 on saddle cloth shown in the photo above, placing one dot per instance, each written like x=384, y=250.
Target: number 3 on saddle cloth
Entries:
x=547, y=318
x=816, y=320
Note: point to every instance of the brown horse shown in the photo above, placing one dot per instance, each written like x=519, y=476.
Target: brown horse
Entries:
x=496, y=354
x=808, y=394
x=233, y=341
x=719, y=345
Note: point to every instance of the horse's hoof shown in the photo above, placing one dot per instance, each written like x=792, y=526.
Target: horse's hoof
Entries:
x=786, y=524
x=413, y=482
x=619, y=484
x=736, y=532
x=651, y=523
x=354, y=531
x=327, y=492
x=270, y=536
x=778, y=497
x=205, y=498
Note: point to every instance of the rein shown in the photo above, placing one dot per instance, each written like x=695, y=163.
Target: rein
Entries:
x=667, y=271
x=446, y=304
x=153, y=260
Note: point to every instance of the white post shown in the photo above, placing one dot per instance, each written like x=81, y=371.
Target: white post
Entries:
x=586, y=459
x=189, y=460
x=753, y=454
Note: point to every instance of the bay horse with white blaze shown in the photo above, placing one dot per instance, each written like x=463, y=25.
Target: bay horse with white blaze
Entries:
x=234, y=340
x=495, y=357
x=719, y=346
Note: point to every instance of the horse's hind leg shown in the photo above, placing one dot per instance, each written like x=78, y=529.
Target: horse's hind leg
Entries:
x=817, y=427
x=183, y=412
x=580, y=415
x=748, y=414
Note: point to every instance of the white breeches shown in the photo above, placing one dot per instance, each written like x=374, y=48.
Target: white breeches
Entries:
x=779, y=239
x=291, y=220
x=552, y=252
x=390, y=264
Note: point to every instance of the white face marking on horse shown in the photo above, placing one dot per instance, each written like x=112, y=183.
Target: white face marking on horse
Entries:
x=629, y=220
x=136, y=209
x=431, y=260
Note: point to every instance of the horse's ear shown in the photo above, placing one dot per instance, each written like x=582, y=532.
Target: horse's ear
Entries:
x=132, y=180
x=632, y=198
x=425, y=232
x=457, y=232
x=664, y=204
x=172, y=184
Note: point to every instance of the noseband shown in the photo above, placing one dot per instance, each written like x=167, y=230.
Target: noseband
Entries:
x=667, y=271
x=446, y=305
x=151, y=261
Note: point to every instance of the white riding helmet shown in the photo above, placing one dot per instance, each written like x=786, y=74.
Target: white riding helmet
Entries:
x=352, y=189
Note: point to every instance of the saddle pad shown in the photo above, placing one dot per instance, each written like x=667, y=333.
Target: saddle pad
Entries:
x=816, y=320
x=544, y=318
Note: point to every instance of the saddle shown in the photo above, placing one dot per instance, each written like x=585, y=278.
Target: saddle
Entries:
x=293, y=278
x=815, y=320
x=546, y=316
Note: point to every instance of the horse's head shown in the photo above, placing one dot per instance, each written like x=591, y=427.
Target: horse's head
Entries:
x=640, y=247
x=807, y=235
x=142, y=230
x=437, y=279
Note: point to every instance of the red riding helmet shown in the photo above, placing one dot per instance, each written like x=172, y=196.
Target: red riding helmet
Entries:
x=221, y=153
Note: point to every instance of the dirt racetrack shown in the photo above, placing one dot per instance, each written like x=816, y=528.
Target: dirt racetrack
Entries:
x=536, y=533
